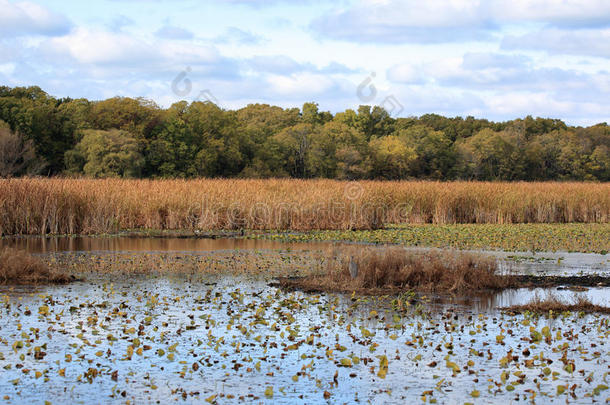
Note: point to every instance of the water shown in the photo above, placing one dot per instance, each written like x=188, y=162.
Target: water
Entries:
x=141, y=244
x=244, y=337
x=490, y=301
x=236, y=339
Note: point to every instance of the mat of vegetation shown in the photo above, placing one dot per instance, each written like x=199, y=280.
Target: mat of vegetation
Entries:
x=268, y=264
x=585, y=238
x=392, y=270
x=79, y=206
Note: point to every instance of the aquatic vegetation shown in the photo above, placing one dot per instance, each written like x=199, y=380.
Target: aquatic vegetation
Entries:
x=85, y=206
x=586, y=238
x=20, y=267
x=268, y=264
x=551, y=304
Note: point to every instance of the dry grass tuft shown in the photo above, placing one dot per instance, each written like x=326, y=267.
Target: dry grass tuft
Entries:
x=394, y=268
x=18, y=267
x=552, y=303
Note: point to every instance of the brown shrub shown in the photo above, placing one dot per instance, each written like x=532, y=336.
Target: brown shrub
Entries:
x=21, y=268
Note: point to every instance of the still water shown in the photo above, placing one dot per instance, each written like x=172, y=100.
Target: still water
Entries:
x=228, y=339
x=232, y=339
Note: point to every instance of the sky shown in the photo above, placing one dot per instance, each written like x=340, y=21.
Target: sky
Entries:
x=490, y=59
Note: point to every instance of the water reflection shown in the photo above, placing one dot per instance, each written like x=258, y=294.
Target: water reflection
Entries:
x=137, y=244
x=492, y=300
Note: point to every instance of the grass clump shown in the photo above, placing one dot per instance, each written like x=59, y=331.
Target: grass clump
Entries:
x=393, y=268
x=552, y=303
x=18, y=267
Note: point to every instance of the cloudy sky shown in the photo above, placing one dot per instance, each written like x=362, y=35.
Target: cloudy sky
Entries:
x=488, y=58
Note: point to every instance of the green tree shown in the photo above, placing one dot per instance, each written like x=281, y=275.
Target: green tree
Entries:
x=257, y=125
x=201, y=139
x=171, y=152
x=390, y=158
x=138, y=116
x=99, y=154
x=375, y=122
x=295, y=146
x=217, y=139
x=491, y=155
x=34, y=114
x=332, y=137
x=600, y=163
x=435, y=154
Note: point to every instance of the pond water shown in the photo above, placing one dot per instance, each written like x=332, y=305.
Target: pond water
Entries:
x=230, y=339
x=142, y=244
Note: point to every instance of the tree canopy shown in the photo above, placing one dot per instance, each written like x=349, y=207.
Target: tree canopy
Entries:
x=133, y=137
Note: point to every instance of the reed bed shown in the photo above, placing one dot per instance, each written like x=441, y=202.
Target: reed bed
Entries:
x=35, y=206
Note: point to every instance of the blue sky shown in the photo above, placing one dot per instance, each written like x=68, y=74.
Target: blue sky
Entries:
x=488, y=58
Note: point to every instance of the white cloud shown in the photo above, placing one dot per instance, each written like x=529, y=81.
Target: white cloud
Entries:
x=590, y=42
x=431, y=21
x=171, y=32
x=406, y=73
x=394, y=21
x=7, y=68
x=488, y=58
x=485, y=71
x=301, y=85
x=239, y=36
x=279, y=64
x=566, y=13
x=118, y=22
x=99, y=47
x=27, y=18
x=502, y=86
x=96, y=47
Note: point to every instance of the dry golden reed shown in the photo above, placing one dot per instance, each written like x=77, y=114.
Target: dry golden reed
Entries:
x=33, y=206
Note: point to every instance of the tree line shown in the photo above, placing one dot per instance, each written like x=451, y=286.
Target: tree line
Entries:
x=133, y=137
